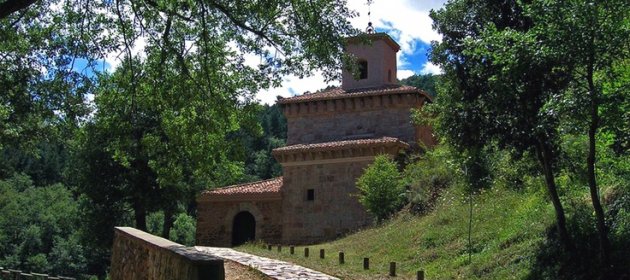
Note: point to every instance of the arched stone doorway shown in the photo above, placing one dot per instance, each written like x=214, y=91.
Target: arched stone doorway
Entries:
x=243, y=228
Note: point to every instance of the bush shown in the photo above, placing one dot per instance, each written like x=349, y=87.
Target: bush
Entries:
x=427, y=177
x=381, y=190
x=183, y=231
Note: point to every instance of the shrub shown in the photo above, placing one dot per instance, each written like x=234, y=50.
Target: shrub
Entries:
x=183, y=231
x=427, y=177
x=381, y=191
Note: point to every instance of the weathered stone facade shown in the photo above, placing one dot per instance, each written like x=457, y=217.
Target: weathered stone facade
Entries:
x=328, y=171
x=332, y=136
x=218, y=208
x=382, y=112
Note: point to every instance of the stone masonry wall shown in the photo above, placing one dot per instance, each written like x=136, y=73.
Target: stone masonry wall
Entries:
x=335, y=209
x=354, y=118
x=141, y=256
x=214, y=221
x=346, y=126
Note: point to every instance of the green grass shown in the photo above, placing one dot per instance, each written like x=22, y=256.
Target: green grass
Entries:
x=508, y=230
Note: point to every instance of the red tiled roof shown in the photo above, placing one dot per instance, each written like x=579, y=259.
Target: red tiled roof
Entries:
x=340, y=144
x=259, y=187
x=336, y=93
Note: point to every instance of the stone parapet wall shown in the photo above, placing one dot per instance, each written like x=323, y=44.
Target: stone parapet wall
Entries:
x=138, y=255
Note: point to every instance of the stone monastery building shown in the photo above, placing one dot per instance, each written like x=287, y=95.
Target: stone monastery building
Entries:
x=332, y=136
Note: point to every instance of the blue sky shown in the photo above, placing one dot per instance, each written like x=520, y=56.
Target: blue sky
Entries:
x=81, y=66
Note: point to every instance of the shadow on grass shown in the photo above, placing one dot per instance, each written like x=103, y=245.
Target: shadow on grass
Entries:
x=553, y=262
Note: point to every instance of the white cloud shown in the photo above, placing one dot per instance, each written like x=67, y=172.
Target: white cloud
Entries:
x=430, y=68
x=292, y=85
x=403, y=74
x=409, y=17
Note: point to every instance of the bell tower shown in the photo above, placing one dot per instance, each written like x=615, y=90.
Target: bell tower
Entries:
x=376, y=58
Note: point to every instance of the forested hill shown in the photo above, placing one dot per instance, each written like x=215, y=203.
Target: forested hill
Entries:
x=424, y=82
x=257, y=145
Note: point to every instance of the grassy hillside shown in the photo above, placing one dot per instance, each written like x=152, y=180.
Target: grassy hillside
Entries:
x=508, y=231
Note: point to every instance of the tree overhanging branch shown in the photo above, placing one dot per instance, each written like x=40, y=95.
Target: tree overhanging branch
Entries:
x=11, y=6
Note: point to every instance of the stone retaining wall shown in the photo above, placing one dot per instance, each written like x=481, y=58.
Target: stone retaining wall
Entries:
x=139, y=255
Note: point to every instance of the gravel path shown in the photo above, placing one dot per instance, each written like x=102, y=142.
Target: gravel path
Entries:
x=273, y=268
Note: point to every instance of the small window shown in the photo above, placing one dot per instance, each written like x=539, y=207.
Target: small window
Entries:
x=363, y=69
x=310, y=194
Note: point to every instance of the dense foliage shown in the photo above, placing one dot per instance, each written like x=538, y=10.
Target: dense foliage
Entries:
x=258, y=144
x=174, y=115
x=424, y=82
x=39, y=228
x=530, y=78
x=508, y=65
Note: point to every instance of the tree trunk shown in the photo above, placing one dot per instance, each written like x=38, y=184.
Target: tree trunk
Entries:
x=168, y=222
x=590, y=161
x=545, y=156
x=140, y=213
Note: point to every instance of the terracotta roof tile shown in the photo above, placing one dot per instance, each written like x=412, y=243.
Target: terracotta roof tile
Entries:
x=340, y=144
x=337, y=93
x=260, y=187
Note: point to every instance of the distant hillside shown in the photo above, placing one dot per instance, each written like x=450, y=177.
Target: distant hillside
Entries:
x=424, y=82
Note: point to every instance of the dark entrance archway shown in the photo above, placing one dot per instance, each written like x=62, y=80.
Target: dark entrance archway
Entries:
x=243, y=228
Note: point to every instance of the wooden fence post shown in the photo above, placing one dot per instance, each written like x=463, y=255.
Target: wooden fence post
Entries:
x=420, y=275
x=306, y=252
x=366, y=263
x=15, y=274
x=341, y=258
x=392, y=269
x=321, y=253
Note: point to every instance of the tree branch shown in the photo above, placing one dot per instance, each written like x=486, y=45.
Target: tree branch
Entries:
x=242, y=25
x=168, y=12
x=11, y=6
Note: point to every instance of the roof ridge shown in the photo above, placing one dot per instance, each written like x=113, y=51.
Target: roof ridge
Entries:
x=340, y=143
x=338, y=92
x=244, y=184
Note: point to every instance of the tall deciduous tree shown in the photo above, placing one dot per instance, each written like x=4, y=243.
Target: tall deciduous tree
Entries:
x=164, y=117
x=594, y=37
x=498, y=79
